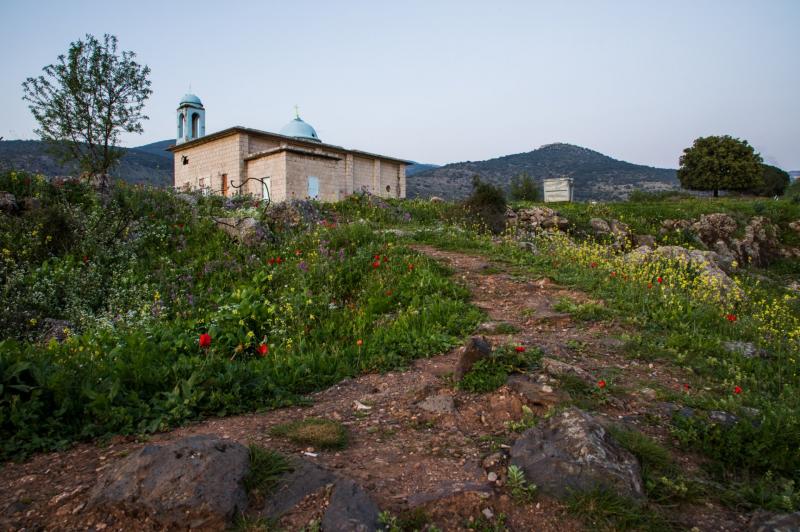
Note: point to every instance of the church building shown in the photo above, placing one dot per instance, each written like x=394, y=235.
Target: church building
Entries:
x=292, y=164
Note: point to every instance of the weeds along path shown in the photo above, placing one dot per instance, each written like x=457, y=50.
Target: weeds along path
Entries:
x=435, y=463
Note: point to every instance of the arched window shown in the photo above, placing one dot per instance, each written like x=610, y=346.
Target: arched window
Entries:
x=180, y=125
x=195, y=125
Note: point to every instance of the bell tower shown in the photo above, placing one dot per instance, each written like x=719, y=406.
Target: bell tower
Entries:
x=191, y=119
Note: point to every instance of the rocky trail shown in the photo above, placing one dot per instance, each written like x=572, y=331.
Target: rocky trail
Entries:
x=416, y=442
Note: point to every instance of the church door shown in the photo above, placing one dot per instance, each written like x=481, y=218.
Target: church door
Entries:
x=224, y=184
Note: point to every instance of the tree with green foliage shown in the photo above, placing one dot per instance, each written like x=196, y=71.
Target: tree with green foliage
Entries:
x=773, y=181
x=488, y=202
x=719, y=163
x=524, y=188
x=84, y=101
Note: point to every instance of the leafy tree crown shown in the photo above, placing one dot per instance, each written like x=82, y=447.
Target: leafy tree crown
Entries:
x=84, y=101
x=719, y=163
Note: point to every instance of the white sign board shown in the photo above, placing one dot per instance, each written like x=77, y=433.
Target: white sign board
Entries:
x=558, y=189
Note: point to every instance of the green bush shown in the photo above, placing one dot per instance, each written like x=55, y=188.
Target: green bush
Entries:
x=342, y=300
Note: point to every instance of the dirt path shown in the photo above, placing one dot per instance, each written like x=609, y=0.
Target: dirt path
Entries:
x=406, y=457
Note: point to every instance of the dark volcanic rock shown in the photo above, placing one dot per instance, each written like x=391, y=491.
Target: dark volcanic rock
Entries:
x=573, y=452
x=475, y=349
x=305, y=479
x=194, y=482
x=350, y=509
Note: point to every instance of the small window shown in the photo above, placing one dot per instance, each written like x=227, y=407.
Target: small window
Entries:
x=266, y=188
x=185, y=160
x=313, y=187
x=195, y=125
x=388, y=188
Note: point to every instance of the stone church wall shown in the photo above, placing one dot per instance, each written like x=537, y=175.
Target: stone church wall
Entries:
x=272, y=166
x=207, y=163
x=362, y=174
x=329, y=172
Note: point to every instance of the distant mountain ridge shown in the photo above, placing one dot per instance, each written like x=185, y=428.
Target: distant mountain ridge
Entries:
x=148, y=164
x=596, y=176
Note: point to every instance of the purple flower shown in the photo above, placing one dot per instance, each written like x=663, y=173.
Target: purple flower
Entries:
x=303, y=266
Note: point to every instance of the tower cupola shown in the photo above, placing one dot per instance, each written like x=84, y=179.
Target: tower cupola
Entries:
x=191, y=119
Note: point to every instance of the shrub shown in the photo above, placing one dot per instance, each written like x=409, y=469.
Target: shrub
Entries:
x=488, y=203
x=524, y=188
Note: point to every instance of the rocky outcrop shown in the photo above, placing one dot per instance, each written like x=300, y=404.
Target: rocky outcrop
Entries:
x=760, y=244
x=713, y=228
x=573, y=452
x=475, y=349
x=620, y=233
x=710, y=264
x=194, y=482
x=537, y=219
x=758, y=247
x=246, y=231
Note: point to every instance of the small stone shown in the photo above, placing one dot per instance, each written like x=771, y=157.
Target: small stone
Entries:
x=487, y=513
x=492, y=476
x=438, y=404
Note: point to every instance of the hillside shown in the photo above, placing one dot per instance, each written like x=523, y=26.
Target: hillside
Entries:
x=596, y=176
x=146, y=164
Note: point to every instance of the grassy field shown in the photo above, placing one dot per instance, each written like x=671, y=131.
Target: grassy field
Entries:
x=144, y=277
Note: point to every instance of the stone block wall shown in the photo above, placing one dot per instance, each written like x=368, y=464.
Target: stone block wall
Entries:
x=207, y=162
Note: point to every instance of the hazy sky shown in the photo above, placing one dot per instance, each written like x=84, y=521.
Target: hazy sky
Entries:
x=446, y=81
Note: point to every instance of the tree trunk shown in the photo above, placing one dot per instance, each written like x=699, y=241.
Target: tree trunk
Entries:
x=716, y=193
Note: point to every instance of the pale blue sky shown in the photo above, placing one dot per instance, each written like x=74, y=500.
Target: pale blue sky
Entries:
x=447, y=81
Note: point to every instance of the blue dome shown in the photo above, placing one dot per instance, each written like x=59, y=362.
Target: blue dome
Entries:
x=299, y=129
x=191, y=98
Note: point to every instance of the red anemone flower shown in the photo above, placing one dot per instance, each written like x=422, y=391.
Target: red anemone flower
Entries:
x=410, y=267
x=376, y=264
x=519, y=349
x=730, y=317
x=737, y=389
x=205, y=340
x=359, y=342
x=601, y=384
x=263, y=349
x=659, y=280
x=613, y=274
x=593, y=265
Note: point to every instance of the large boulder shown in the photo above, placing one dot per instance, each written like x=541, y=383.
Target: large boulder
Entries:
x=194, y=482
x=573, y=452
x=620, y=233
x=350, y=508
x=713, y=228
x=247, y=231
x=476, y=348
x=674, y=226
